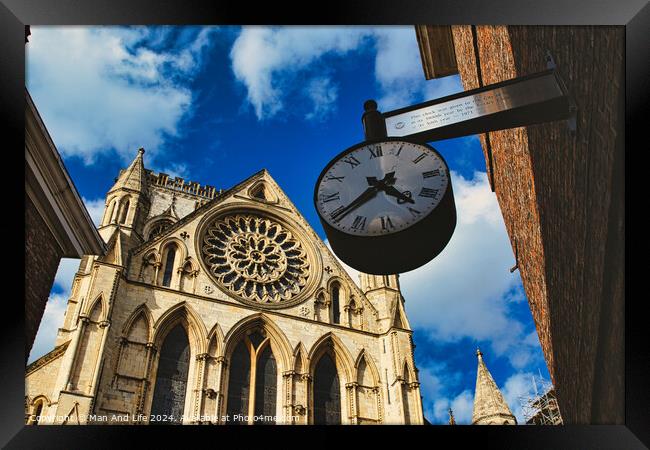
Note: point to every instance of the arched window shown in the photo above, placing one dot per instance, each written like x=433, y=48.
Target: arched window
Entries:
x=169, y=265
x=266, y=388
x=253, y=382
x=327, y=395
x=109, y=212
x=37, y=412
x=158, y=228
x=336, y=312
x=124, y=212
x=171, y=378
x=239, y=384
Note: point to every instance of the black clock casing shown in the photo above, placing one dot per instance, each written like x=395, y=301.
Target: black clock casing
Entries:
x=399, y=251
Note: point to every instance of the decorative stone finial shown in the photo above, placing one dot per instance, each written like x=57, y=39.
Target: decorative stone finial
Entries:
x=141, y=150
x=478, y=352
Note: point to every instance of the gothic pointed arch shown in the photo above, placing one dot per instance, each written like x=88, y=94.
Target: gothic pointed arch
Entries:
x=399, y=317
x=261, y=191
x=338, y=295
x=173, y=251
x=97, y=309
x=261, y=320
x=216, y=341
x=125, y=206
x=329, y=342
x=327, y=398
x=37, y=409
x=257, y=351
x=110, y=212
x=139, y=324
x=158, y=225
x=172, y=377
x=182, y=313
x=408, y=372
x=366, y=372
x=369, y=407
x=300, y=363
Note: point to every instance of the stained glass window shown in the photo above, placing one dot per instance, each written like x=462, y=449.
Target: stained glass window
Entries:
x=169, y=265
x=327, y=395
x=336, y=313
x=171, y=378
x=239, y=384
x=266, y=388
x=260, y=408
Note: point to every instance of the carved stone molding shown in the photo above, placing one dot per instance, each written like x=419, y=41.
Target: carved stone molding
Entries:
x=202, y=357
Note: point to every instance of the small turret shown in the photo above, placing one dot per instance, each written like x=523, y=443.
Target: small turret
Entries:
x=383, y=291
x=126, y=204
x=490, y=408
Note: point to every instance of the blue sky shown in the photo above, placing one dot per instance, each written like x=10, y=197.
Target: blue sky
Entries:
x=217, y=104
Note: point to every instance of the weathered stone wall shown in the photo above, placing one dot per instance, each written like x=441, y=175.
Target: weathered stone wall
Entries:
x=119, y=316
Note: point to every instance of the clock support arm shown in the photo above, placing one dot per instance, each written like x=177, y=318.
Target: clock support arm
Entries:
x=522, y=101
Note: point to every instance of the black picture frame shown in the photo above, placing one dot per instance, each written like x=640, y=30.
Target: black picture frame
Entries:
x=14, y=14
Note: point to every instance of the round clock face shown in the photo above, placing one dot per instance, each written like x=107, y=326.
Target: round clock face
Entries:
x=381, y=188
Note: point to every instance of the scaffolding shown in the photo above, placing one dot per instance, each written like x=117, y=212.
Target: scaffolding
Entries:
x=541, y=409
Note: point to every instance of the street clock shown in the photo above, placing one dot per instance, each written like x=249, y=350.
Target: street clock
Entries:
x=386, y=205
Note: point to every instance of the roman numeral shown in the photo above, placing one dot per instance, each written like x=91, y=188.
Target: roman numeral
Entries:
x=386, y=223
x=332, y=178
x=377, y=151
x=330, y=197
x=359, y=223
x=354, y=162
x=431, y=173
x=414, y=212
x=426, y=192
x=399, y=150
x=419, y=158
x=334, y=214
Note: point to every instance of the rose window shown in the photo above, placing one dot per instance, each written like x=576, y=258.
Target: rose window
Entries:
x=256, y=258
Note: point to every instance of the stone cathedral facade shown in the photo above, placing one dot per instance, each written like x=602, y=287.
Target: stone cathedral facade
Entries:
x=222, y=307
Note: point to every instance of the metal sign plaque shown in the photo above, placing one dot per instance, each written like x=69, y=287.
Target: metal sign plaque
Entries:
x=499, y=99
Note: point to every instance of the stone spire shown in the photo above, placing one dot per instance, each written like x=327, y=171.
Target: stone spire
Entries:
x=489, y=406
x=452, y=420
x=133, y=177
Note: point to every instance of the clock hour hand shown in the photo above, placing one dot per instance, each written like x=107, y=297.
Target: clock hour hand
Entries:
x=389, y=178
x=390, y=190
x=360, y=200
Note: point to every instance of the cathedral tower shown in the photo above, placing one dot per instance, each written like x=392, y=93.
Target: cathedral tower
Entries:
x=490, y=408
x=222, y=307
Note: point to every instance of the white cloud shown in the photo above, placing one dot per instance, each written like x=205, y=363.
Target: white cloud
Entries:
x=517, y=386
x=54, y=308
x=50, y=323
x=265, y=58
x=65, y=273
x=102, y=89
x=463, y=292
x=323, y=96
x=95, y=209
x=461, y=405
x=467, y=290
x=268, y=59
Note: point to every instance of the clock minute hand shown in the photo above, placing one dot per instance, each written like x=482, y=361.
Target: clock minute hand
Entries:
x=360, y=200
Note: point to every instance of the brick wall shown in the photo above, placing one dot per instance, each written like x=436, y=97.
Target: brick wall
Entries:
x=42, y=256
x=561, y=196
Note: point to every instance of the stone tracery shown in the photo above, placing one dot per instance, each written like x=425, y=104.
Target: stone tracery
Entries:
x=256, y=258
